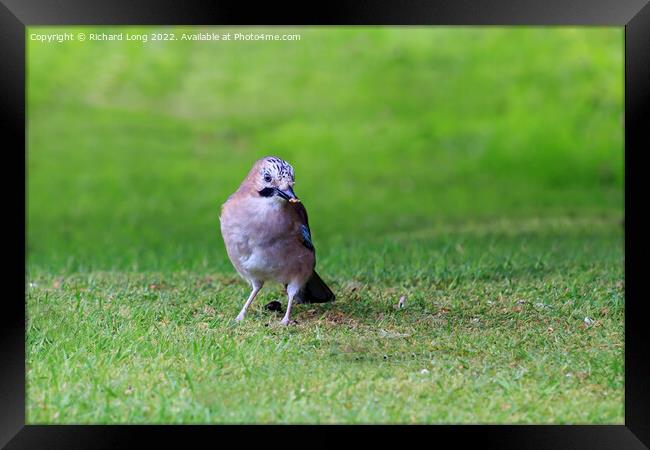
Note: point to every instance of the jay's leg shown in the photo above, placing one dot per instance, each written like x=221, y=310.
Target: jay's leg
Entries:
x=257, y=285
x=292, y=290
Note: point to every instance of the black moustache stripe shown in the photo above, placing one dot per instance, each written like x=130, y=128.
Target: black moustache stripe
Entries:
x=267, y=192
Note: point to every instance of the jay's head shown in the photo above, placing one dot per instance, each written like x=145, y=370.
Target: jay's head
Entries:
x=273, y=178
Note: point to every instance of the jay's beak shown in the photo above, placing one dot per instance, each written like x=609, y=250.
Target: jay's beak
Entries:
x=287, y=194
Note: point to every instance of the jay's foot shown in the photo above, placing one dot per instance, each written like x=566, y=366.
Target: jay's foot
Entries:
x=286, y=322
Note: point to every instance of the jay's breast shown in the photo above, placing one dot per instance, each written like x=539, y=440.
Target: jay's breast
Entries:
x=264, y=244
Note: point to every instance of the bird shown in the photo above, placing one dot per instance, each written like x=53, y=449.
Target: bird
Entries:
x=267, y=237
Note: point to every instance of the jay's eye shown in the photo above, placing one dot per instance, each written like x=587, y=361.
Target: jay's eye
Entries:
x=267, y=178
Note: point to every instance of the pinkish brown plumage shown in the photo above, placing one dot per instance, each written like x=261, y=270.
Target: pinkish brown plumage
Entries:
x=267, y=236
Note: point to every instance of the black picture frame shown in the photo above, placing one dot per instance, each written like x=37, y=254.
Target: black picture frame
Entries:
x=634, y=15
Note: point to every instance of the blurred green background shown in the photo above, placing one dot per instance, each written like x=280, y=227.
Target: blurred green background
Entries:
x=133, y=147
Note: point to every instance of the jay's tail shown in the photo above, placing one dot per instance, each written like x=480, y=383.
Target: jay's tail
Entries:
x=315, y=291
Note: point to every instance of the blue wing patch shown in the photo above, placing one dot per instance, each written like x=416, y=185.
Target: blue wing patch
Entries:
x=306, y=237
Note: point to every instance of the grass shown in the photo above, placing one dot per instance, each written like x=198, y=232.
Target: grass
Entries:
x=476, y=172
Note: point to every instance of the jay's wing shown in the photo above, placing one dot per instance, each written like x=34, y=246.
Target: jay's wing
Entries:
x=315, y=291
x=305, y=233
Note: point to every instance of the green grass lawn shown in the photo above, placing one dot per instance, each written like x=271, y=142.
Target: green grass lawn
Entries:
x=476, y=172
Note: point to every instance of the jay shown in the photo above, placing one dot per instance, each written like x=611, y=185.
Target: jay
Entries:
x=265, y=229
